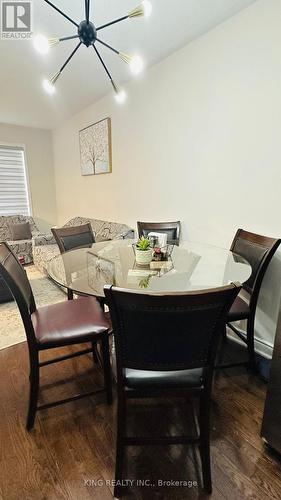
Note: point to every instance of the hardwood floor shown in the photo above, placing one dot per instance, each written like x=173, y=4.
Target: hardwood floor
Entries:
x=71, y=452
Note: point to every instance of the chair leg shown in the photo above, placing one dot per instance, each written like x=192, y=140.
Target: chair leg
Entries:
x=34, y=390
x=204, y=420
x=95, y=355
x=224, y=336
x=120, y=448
x=107, y=368
x=220, y=352
x=251, y=346
x=69, y=294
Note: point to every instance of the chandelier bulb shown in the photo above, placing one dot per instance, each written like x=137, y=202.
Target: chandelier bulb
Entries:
x=41, y=44
x=120, y=94
x=49, y=84
x=147, y=7
x=136, y=65
x=144, y=9
x=135, y=62
x=49, y=87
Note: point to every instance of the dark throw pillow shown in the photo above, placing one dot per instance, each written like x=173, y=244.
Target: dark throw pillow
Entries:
x=20, y=231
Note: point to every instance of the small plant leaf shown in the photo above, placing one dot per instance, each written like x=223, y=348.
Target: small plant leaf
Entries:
x=143, y=244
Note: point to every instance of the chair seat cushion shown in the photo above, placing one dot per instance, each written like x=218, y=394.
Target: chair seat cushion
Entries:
x=144, y=379
x=69, y=322
x=239, y=310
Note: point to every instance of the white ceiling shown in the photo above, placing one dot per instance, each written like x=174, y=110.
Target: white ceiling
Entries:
x=172, y=24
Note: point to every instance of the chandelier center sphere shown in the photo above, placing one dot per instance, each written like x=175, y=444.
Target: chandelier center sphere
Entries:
x=87, y=33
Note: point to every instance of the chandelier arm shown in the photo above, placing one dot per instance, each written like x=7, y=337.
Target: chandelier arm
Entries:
x=68, y=38
x=87, y=10
x=62, y=13
x=112, y=22
x=108, y=46
x=70, y=57
x=102, y=62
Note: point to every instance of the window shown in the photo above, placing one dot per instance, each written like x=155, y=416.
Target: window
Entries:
x=14, y=195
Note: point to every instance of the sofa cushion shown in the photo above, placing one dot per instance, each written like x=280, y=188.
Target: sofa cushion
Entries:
x=33, y=227
x=6, y=220
x=23, y=248
x=20, y=231
x=41, y=239
x=42, y=254
x=103, y=230
x=77, y=221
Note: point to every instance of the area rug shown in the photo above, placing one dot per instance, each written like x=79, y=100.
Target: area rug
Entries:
x=45, y=293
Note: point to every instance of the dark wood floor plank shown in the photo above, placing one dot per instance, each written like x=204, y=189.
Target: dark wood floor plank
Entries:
x=71, y=452
x=240, y=450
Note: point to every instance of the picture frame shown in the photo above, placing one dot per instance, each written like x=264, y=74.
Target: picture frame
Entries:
x=95, y=148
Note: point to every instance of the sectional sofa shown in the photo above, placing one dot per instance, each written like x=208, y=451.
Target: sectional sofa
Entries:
x=45, y=247
x=41, y=248
x=21, y=248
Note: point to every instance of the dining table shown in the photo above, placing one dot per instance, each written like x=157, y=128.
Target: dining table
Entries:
x=190, y=266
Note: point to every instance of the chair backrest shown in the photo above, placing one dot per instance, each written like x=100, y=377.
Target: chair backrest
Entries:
x=16, y=279
x=172, y=229
x=72, y=237
x=258, y=251
x=168, y=332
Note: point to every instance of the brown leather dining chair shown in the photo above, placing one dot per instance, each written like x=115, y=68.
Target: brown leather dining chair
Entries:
x=71, y=237
x=58, y=325
x=166, y=346
x=258, y=251
x=172, y=229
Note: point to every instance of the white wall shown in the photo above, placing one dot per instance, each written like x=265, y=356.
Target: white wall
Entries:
x=197, y=140
x=39, y=158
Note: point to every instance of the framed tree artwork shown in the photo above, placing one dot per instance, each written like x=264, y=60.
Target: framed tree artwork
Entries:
x=95, y=148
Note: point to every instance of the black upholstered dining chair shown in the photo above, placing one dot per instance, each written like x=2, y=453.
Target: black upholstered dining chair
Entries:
x=172, y=229
x=5, y=294
x=166, y=346
x=71, y=237
x=58, y=325
x=258, y=251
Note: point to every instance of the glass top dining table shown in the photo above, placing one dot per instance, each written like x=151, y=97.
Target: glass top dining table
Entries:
x=191, y=266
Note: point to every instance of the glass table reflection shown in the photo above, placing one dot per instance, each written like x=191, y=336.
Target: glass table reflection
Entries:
x=192, y=266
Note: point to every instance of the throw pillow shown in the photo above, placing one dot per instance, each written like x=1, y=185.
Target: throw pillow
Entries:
x=20, y=231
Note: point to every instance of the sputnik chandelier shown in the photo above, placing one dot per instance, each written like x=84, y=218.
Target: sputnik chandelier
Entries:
x=88, y=35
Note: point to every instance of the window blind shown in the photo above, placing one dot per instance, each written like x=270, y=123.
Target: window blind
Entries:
x=14, y=196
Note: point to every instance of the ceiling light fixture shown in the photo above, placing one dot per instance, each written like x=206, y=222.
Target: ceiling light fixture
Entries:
x=120, y=96
x=87, y=33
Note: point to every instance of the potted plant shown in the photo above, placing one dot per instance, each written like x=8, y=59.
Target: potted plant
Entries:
x=144, y=252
